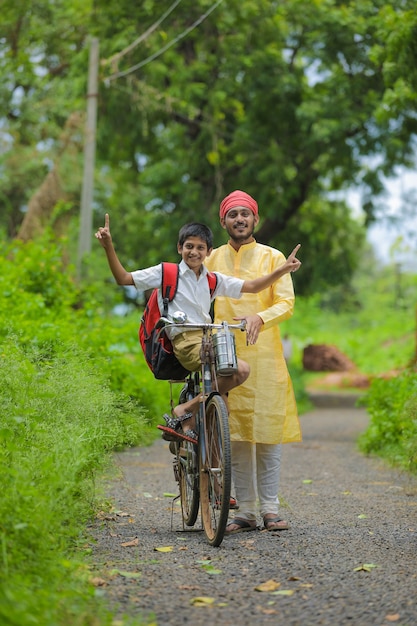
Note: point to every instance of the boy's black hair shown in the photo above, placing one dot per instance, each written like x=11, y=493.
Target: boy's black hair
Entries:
x=195, y=229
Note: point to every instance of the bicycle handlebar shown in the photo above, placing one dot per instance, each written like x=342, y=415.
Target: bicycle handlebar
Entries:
x=163, y=322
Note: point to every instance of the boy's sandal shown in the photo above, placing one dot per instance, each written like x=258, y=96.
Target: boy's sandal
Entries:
x=175, y=422
x=275, y=523
x=189, y=435
x=243, y=526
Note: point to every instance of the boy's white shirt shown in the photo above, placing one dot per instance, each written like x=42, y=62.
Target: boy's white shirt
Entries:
x=193, y=295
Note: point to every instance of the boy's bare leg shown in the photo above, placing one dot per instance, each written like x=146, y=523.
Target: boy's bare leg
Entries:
x=225, y=384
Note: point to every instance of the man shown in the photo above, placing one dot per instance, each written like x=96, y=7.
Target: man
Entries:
x=263, y=411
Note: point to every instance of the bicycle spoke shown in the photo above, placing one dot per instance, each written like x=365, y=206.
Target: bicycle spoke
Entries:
x=187, y=460
x=187, y=468
x=215, y=471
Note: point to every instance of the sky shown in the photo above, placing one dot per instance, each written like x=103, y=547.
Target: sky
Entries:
x=385, y=233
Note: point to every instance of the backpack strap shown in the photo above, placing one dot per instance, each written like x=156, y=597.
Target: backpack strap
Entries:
x=212, y=281
x=170, y=274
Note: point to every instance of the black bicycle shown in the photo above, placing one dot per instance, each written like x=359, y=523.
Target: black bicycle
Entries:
x=203, y=469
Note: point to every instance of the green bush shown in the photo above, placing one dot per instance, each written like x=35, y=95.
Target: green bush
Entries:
x=47, y=310
x=392, y=432
x=74, y=387
x=60, y=423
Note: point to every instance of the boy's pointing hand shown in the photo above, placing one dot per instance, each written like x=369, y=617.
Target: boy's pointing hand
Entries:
x=103, y=234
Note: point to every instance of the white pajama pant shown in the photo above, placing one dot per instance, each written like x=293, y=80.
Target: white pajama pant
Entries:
x=255, y=470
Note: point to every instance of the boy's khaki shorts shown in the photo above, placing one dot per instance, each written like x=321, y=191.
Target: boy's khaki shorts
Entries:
x=187, y=348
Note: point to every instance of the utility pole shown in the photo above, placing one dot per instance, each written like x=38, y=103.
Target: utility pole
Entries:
x=86, y=210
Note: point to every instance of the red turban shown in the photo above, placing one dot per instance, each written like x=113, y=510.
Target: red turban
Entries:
x=238, y=198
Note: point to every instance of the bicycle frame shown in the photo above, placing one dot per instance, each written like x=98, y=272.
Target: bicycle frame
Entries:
x=203, y=470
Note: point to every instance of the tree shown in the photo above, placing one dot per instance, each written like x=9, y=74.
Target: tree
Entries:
x=288, y=100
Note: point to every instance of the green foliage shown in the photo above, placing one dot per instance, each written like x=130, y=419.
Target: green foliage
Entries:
x=392, y=432
x=51, y=312
x=290, y=101
x=60, y=422
x=71, y=392
x=373, y=323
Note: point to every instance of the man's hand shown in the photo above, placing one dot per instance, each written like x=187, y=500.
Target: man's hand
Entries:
x=253, y=327
x=292, y=262
x=103, y=234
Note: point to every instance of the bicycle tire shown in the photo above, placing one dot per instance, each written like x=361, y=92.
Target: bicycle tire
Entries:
x=215, y=471
x=188, y=481
x=188, y=469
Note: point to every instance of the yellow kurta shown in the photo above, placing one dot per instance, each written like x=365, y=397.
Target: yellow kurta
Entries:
x=263, y=409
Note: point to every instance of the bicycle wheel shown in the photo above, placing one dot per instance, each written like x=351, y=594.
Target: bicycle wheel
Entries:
x=187, y=465
x=215, y=470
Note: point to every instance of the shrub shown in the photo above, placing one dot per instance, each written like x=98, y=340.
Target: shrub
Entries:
x=60, y=423
x=392, y=432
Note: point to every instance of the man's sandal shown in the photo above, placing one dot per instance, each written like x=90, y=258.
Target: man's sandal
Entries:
x=243, y=526
x=275, y=523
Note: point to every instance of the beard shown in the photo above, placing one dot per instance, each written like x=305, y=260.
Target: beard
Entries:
x=238, y=236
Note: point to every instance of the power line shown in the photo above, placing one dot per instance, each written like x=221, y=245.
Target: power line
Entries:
x=166, y=47
x=113, y=59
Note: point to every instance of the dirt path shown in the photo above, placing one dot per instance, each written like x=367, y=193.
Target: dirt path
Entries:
x=346, y=512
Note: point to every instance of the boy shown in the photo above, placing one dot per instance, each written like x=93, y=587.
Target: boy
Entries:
x=195, y=243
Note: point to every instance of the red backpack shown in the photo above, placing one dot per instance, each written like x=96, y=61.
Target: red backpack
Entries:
x=156, y=346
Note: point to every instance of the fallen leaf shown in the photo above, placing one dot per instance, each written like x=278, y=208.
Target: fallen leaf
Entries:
x=147, y=495
x=269, y=585
x=170, y=495
x=130, y=544
x=210, y=569
x=365, y=567
x=394, y=617
x=164, y=549
x=284, y=592
x=202, y=601
x=97, y=581
x=294, y=578
x=122, y=514
x=125, y=574
x=362, y=516
x=346, y=493
x=308, y=481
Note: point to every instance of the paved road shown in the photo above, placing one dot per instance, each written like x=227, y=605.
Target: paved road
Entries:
x=346, y=512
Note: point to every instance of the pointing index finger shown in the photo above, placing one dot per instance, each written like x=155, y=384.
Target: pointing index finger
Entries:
x=296, y=249
x=106, y=221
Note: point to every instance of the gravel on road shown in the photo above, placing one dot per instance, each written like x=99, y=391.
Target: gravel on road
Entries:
x=349, y=557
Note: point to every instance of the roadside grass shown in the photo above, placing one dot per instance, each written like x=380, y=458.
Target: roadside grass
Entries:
x=71, y=393
x=60, y=423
